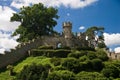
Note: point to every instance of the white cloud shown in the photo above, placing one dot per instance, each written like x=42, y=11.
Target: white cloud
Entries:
x=112, y=39
x=5, y=24
x=81, y=27
x=117, y=50
x=54, y=3
x=7, y=42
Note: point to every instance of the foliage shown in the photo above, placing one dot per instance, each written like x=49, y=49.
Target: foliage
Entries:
x=77, y=54
x=93, y=31
x=101, y=45
x=91, y=55
x=111, y=70
x=34, y=72
x=90, y=76
x=97, y=64
x=36, y=20
x=83, y=58
x=55, y=61
x=102, y=55
x=71, y=64
x=61, y=75
x=50, y=53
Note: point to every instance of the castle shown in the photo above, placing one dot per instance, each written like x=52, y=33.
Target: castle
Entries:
x=66, y=39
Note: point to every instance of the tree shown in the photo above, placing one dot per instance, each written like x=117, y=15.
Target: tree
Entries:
x=93, y=31
x=96, y=34
x=36, y=20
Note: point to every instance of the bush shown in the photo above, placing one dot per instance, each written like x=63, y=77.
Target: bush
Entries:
x=85, y=66
x=77, y=54
x=110, y=70
x=55, y=61
x=91, y=55
x=34, y=72
x=61, y=75
x=71, y=64
x=102, y=55
x=90, y=76
x=97, y=64
x=50, y=53
x=83, y=58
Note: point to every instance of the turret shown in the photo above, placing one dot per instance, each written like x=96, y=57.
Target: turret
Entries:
x=67, y=30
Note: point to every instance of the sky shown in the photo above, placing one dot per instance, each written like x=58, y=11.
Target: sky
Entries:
x=82, y=13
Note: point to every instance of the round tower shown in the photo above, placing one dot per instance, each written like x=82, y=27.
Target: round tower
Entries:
x=67, y=30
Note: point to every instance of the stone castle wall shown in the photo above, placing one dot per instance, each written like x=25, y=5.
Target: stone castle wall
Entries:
x=21, y=51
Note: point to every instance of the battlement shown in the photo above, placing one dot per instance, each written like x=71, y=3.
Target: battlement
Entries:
x=67, y=24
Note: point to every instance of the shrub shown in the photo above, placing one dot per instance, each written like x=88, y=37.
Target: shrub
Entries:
x=91, y=55
x=102, y=55
x=85, y=66
x=50, y=53
x=90, y=76
x=34, y=72
x=110, y=70
x=61, y=75
x=55, y=61
x=97, y=64
x=83, y=58
x=71, y=64
x=77, y=54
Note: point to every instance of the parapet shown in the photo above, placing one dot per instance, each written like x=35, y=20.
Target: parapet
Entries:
x=67, y=24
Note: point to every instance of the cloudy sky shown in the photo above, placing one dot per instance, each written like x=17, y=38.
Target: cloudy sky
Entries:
x=82, y=13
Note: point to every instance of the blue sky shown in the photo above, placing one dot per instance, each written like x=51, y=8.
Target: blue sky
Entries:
x=82, y=13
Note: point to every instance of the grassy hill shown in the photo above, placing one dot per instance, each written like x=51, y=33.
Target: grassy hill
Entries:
x=77, y=65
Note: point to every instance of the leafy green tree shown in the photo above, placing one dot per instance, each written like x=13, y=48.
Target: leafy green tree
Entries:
x=93, y=31
x=36, y=20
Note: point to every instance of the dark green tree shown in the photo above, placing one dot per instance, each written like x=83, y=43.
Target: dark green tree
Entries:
x=36, y=20
x=93, y=31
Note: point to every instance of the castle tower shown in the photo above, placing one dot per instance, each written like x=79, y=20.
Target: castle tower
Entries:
x=67, y=30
